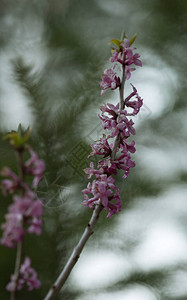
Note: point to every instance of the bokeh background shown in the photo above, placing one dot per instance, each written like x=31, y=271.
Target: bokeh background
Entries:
x=52, y=55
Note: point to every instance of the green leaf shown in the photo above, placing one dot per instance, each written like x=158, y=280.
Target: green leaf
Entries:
x=116, y=42
x=123, y=35
x=18, y=138
x=133, y=39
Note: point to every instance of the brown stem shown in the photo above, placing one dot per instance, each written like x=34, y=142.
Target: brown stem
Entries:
x=19, y=254
x=75, y=254
x=122, y=104
x=17, y=269
x=121, y=89
x=20, y=164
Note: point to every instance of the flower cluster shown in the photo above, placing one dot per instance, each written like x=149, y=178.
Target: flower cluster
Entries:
x=103, y=189
x=124, y=56
x=116, y=120
x=27, y=276
x=24, y=214
x=35, y=167
x=109, y=80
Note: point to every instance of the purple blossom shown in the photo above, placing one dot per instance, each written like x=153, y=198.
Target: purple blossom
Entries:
x=35, y=226
x=127, y=49
x=104, y=190
x=127, y=147
x=91, y=171
x=35, y=166
x=27, y=275
x=23, y=216
x=111, y=109
x=110, y=124
x=109, y=80
x=14, y=183
x=13, y=230
x=136, y=104
x=27, y=206
x=107, y=166
x=124, y=163
x=126, y=57
x=101, y=147
x=115, y=56
x=125, y=126
x=136, y=61
x=108, y=194
x=115, y=207
x=9, y=185
x=124, y=54
x=109, y=121
x=128, y=71
x=116, y=120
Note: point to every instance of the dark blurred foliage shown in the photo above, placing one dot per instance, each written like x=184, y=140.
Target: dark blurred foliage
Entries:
x=63, y=96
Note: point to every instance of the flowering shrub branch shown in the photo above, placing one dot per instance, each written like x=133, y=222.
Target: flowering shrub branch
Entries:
x=115, y=119
x=102, y=193
x=24, y=214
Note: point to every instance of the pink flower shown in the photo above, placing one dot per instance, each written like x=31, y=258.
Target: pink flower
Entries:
x=128, y=71
x=100, y=189
x=27, y=206
x=110, y=109
x=14, y=183
x=23, y=216
x=126, y=57
x=117, y=121
x=13, y=231
x=35, y=226
x=9, y=185
x=91, y=171
x=125, y=125
x=127, y=147
x=115, y=207
x=115, y=56
x=27, y=275
x=127, y=48
x=136, y=61
x=35, y=166
x=136, y=104
x=109, y=121
x=109, y=80
x=107, y=166
x=110, y=167
x=110, y=124
x=123, y=54
x=101, y=147
x=124, y=163
x=103, y=189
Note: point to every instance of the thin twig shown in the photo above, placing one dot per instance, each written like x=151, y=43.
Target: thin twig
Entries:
x=19, y=254
x=121, y=89
x=75, y=254
x=122, y=104
x=17, y=269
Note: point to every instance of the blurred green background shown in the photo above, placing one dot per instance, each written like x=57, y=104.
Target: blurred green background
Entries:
x=52, y=55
